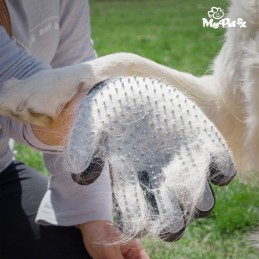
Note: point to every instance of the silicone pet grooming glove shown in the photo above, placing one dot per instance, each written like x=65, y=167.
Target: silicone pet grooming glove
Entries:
x=162, y=151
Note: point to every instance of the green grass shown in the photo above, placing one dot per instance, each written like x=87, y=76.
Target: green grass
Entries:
x=222, y=234
x=31, y=157
x=171, y=32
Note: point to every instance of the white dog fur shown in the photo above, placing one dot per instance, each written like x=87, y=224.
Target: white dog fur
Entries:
x=229, y=96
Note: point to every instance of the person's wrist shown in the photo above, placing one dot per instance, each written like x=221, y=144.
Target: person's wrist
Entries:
x=57, y=131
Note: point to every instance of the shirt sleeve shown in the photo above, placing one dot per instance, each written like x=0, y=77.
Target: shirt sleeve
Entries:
x=67, y=203
x=16, y=62
x=23, y=134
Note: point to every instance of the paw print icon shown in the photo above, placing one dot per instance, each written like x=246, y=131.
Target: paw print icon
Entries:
x=216, y=13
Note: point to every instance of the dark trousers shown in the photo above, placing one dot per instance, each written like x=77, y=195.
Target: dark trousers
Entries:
x=21, y=190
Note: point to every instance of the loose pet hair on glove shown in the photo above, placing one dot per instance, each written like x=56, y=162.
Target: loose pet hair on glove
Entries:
x=162, y=151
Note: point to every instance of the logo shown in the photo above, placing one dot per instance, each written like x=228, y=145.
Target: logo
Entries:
x=216, y=13
x=217, y=20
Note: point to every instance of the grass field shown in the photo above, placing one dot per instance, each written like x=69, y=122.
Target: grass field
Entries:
x=171, y=32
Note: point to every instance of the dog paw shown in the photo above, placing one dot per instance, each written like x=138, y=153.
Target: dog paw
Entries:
x=40, y=98
x=25, y=103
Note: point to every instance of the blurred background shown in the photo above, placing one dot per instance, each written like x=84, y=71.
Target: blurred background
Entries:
x=171, y=32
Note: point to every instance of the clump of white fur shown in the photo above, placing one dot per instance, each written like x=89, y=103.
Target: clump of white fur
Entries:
x=142, y=125
x=235, y=77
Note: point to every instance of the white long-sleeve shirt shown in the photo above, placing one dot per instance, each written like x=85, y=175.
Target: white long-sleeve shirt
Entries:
x=49, y=34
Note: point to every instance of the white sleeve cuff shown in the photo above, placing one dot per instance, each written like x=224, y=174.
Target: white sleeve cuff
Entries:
x=34, y=142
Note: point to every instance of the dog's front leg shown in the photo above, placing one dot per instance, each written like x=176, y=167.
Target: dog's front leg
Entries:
x=40, y=98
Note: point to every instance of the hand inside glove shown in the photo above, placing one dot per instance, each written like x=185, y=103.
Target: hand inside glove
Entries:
x=162, y=151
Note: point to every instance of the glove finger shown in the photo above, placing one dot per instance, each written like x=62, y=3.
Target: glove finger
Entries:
x=171, y=237
x=93, y=171
x=155, y=199
x=129, y=204
x=220, y=175
x=207, y=204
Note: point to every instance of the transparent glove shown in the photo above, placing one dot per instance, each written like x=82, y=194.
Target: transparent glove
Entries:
x=162, y=150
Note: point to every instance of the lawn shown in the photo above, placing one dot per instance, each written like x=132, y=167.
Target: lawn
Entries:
x=171, y=32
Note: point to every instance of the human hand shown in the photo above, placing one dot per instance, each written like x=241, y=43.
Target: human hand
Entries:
x=162, y=151
x=57, y=130
x=103, y=241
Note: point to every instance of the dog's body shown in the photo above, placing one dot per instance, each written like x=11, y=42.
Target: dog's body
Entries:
x=229, y=97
